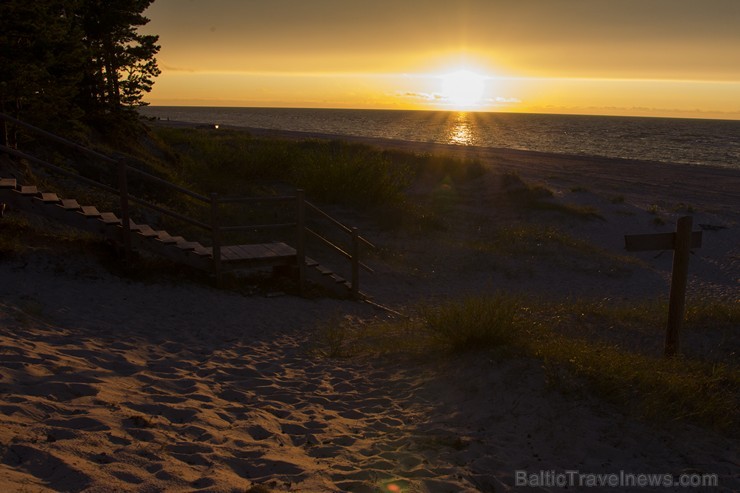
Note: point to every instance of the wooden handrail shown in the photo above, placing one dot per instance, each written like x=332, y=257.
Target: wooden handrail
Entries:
x=337, y=249
x=169, y=184
x=122, y=169
x=102, y=186
x=56, y=138
x=245, y=199
x=170, y=213
x=62, y=171
x=248, y=227
x=103, y=157
x=341, y=226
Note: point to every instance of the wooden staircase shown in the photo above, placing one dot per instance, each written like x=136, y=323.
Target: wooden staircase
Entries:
x=214, y=258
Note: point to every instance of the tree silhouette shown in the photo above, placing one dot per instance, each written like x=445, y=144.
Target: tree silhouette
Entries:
x=121, y=62
x=69, y=60
x=42, y=58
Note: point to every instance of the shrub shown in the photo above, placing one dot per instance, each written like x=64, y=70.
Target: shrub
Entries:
x=474, y=323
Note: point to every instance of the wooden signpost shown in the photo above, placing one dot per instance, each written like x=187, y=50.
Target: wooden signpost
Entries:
x=681, y=242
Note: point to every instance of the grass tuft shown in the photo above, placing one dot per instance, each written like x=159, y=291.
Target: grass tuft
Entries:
x=537, y=197
x=474, y=323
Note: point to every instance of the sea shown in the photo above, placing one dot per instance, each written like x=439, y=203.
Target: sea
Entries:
x=671, y=140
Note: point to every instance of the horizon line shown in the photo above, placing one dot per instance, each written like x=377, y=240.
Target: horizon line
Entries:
x=726, y=116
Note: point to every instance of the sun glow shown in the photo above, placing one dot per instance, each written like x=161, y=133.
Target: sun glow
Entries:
x=463, y=89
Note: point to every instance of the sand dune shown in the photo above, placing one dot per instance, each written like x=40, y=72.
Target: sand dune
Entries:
x=114, y=385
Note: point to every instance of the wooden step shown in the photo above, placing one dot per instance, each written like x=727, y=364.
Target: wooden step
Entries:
x=280, y=249
x=267, y=252
x=311, y=262
x=188, y=245
x=337, y=279
x=48, y=198
x=165, y=238
x=69, y=204
x=323, y=270
x=28, y=190
x=202, y=251
x=89, y=211
x=7, y=183
x=144, y=230
x=109, y=218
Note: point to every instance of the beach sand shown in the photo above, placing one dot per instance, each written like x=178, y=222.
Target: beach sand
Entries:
x=109, y=384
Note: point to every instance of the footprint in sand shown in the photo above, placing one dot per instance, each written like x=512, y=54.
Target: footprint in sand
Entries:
x=53, y=471
x=172, y=414
x=262, y=468
x=80, y=423
x=62, y=391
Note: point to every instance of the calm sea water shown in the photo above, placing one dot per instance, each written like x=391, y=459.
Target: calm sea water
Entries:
x=703, y=142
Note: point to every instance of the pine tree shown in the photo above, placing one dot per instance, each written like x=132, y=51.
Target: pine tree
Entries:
x=62, y=60
x=121, y=65
x=42, y=57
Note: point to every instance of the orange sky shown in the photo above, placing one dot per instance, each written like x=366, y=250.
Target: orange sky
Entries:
x=646, y=57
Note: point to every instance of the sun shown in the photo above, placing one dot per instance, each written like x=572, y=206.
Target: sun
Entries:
x=463, y=89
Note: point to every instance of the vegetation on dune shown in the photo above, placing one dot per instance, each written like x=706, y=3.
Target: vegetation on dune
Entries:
x=537, y=197
x=511, y=248
x=233, y=162
x=365, y=178
x=575, y=360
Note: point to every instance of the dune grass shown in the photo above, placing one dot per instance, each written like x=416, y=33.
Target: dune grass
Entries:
x=520, y=240
x=359, y=176
x=474, y=322
x=22, y=234
x=233, y=162
x=535, y=197
x=647, y=386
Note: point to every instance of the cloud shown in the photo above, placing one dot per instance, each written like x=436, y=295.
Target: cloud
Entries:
x=424, y=96
x=504, y=100
x=170, y=68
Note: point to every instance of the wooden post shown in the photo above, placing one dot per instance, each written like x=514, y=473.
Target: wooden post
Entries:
x=681, y=242
x=301, y=239
x=355, y=263
x=679, y=280
x=216, y=237
x=125, y=212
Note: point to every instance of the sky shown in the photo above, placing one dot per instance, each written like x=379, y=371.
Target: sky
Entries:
x=678, y=58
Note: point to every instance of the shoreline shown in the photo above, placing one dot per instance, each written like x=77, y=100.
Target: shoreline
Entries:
x=401, y=144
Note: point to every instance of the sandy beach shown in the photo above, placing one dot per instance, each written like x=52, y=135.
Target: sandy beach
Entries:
x=110, y=384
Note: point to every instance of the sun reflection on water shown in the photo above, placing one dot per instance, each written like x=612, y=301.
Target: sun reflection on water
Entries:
x=460, y=130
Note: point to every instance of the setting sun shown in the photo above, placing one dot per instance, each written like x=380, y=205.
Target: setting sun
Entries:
x=463, y=89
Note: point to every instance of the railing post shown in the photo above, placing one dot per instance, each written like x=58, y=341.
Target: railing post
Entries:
x=216, y=237
x=301, y=239
x=125, y=213
x=355, y=263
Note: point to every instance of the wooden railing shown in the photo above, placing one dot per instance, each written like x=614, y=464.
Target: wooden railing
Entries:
x=214, y=227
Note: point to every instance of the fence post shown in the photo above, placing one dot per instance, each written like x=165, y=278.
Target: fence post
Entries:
x=301, y=239
x=125, y=212
x=355, y=263
x=216, y=237
x=679, y=280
